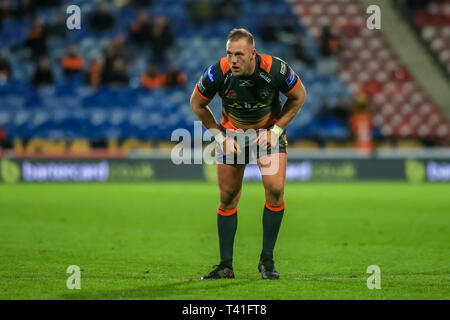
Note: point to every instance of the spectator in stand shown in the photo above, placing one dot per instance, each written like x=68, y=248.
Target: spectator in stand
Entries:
x=43, y=74
x=101, y=20
x=287, y=32
x=2, y=141
x=343, y=110
x=228, y=10
x=361, y=124
x=143, y=4
x=36, y=39
x=2, y=135
x=153, y=78
x=109, y=55
x=121, y=50
x=268, y=30
x=58, y=27
x=202, y=11
x=5, y=69
x=161, y=38
x=50, y=3
x=140, y=29
x=119, y=4
x=411, y=6
x=25, y=10
x=6, y=11
x=94, y=75
x=299, y=52
x=329, y=43
x=116, y=75
x=174, y=76
x=72, y=62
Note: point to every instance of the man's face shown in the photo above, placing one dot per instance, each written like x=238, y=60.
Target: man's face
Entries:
x=241, y=56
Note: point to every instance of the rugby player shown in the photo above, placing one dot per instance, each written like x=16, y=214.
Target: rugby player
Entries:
x=249, y=84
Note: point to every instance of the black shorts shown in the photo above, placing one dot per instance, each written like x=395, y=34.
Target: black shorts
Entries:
x=250, y=151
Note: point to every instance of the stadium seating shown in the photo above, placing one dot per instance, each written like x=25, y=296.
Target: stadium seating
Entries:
x=434, y=26
x=70, y=109
x=400, y=106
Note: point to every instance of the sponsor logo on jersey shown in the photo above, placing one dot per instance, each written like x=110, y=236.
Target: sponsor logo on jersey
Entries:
x=210, y=74
x=262, y=75
x=200, y=86
x=283, y=68
x=245, y=83
x=247, y=105
x=292, y=76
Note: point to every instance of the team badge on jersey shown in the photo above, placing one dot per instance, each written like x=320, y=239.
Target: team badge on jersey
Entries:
x=230, y=94
x=283, y=68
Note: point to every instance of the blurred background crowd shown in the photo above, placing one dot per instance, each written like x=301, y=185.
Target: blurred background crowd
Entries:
x=129, y=71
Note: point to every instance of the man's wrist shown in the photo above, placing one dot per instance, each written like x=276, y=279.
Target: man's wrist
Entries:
x=220, y=138
x=278, y=130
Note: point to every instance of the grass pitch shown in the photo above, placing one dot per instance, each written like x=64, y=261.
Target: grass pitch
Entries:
x=155, y=241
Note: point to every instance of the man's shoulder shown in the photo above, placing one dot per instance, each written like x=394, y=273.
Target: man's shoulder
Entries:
x=221, y=66
x=279, y=66
x=273, y=65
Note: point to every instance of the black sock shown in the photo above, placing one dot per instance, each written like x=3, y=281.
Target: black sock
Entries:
x=272, y=217
x=226, y=227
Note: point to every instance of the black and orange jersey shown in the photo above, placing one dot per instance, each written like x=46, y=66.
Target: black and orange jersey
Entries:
x=249, y=101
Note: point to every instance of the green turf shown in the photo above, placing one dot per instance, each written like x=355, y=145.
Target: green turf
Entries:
x=154, y=241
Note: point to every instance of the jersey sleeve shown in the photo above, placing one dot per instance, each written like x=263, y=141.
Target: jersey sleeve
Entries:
x=285, y=76
x=208, y=84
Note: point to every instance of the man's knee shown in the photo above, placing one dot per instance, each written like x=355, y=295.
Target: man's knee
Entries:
x=229, y=198
x=275, y=195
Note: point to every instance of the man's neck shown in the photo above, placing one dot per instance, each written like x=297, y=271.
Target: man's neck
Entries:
x=252, y=68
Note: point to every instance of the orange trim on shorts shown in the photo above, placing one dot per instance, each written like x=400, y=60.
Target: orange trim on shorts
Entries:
x=224, y=65
x=227, y=124
x=266, y=62
x=274, y=208
x=226, y=212
x=198, y=91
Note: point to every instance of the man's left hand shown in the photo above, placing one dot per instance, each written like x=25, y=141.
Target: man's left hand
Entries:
x=266, y=139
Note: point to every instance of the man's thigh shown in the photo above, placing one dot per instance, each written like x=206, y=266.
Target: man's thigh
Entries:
x=273, y=170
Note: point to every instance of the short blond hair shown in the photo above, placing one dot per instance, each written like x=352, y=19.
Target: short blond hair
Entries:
x=241, y=33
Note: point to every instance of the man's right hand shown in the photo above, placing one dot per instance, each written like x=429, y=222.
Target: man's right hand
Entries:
x=230, y=146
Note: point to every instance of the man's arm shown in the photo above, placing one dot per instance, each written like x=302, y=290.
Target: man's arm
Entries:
x=294, y=102
x=200, y=107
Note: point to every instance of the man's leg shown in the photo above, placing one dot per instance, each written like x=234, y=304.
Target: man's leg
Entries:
x=273, y=209
x=230, y=185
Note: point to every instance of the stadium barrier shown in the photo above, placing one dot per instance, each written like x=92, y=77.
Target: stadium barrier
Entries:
x=388, y=165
